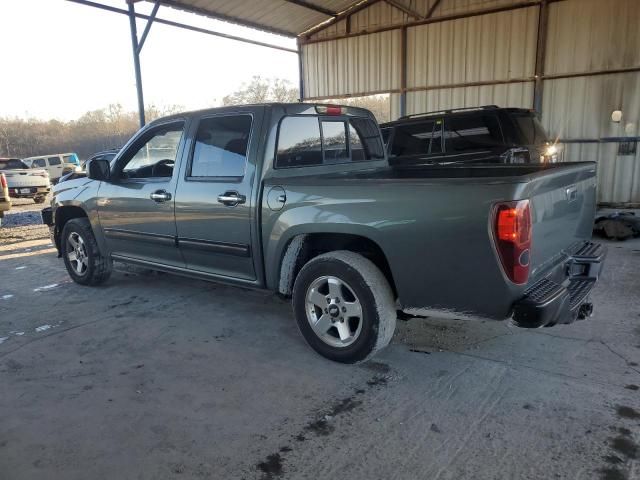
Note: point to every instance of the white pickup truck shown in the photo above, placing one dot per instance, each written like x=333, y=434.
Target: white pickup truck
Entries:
x=25, y=182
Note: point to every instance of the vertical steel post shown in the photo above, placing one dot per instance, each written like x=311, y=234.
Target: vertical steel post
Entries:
x=541, y=49
x=136, y=61
x=300, y=69
x=403, y=72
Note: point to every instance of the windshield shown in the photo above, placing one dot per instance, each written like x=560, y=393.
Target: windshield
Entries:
x=12, y=164
x=531, y=129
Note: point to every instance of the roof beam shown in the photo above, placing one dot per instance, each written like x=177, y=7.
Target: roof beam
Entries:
x=355, y=8
x=226, y=18
x=171, y=23
x=432, y=9
x=315, y=8
x=404, y=8
x=426, y=21
x=147, y=26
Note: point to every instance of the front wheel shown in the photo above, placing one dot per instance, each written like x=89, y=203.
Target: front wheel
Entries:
x=85, y=263
x=344, y=306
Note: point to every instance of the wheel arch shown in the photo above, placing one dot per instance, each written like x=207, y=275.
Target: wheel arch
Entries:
x=63, y=214
x=299, y=248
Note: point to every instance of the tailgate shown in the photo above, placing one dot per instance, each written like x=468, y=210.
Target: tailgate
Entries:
x=563, y=203
x=24, y=178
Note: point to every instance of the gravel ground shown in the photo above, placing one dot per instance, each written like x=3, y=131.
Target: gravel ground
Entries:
x=158, y=377
x=23, y=222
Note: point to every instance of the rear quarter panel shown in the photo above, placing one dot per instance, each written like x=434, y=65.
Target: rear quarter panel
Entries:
x=434, y=233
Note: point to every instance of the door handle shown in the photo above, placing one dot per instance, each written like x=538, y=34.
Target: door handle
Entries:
x=231, y=199
x=160, y=196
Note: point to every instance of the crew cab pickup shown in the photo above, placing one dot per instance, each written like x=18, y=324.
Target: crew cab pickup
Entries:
x=299, y=199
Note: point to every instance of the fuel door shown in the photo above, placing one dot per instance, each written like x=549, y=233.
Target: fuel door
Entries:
x=276, y=198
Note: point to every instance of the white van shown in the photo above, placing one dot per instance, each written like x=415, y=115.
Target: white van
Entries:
x=56, y=165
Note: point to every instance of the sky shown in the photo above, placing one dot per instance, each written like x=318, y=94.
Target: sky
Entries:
x=61, y=59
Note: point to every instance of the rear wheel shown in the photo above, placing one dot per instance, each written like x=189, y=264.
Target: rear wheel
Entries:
x=344, y=306
x=85, y=263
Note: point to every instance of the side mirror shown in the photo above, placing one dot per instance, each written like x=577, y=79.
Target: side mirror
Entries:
x=99, y=169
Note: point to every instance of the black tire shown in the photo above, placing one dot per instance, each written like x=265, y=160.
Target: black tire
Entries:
x=98, y=266
x=371, y=290
x=39, y=199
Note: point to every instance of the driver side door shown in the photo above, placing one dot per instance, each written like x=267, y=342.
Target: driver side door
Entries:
x=136, y=206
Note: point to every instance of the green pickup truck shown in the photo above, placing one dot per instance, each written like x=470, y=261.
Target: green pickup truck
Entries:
x=299, y=199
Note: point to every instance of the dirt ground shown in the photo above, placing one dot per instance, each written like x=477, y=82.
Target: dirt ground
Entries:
x=154, y=376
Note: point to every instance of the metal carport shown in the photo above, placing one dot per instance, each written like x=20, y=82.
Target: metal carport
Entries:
x=573, y=61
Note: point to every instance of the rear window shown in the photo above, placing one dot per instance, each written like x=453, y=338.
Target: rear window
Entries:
x=417, y=138
x=307, y=141
x=12, y=164
x=54, y=161
x=472, y=132
x=531, y=129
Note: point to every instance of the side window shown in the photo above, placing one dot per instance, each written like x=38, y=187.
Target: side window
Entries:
x=54, y=161
x=471, y=132
x=154, y=154
x=368, y=136
x=299, y=142
x=221, y=146
x=39, y=162
x=420, y=138
x=334, y=142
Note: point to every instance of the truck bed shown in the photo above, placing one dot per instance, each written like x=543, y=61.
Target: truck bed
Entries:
x=434, y=225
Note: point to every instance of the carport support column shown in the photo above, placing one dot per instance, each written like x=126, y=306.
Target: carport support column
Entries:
x=403, y=72
x=136, y=60
x=541, y=49
x=300, y=69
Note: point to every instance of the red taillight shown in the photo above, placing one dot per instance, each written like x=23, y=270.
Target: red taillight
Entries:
x=512, y=230
x=3, y=181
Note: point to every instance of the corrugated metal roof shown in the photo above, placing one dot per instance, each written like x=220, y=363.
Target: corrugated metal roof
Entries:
x=284, y=17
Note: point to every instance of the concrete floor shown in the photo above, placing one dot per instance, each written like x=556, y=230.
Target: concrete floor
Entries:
x=154, y=376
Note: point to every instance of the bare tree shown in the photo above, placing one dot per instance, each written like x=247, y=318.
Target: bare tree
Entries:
x=261, y=90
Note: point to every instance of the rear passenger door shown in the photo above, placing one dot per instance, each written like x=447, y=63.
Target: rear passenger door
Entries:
x=473, y=138
x=213, y=201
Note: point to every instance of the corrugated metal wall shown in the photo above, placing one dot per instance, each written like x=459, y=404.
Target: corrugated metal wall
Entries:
x=361, y=64
x=449, y=64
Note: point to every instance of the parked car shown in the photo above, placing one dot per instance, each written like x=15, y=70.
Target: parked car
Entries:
x=81, y=173
x=25, y=182
x=57, y=165
x=5, y=199
x=299, y=199
x=488, y=134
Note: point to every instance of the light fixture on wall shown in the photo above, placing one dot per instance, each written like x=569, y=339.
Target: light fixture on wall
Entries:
x=616, y=116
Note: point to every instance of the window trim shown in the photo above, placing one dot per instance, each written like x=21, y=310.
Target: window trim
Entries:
x=117, y=167
x=345, y=119
x=192, y=147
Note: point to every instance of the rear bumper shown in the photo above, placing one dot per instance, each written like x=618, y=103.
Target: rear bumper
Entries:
x=28, y=192
x=548, y=302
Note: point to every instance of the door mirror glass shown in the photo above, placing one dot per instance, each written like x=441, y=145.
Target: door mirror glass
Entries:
x=98, y=169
